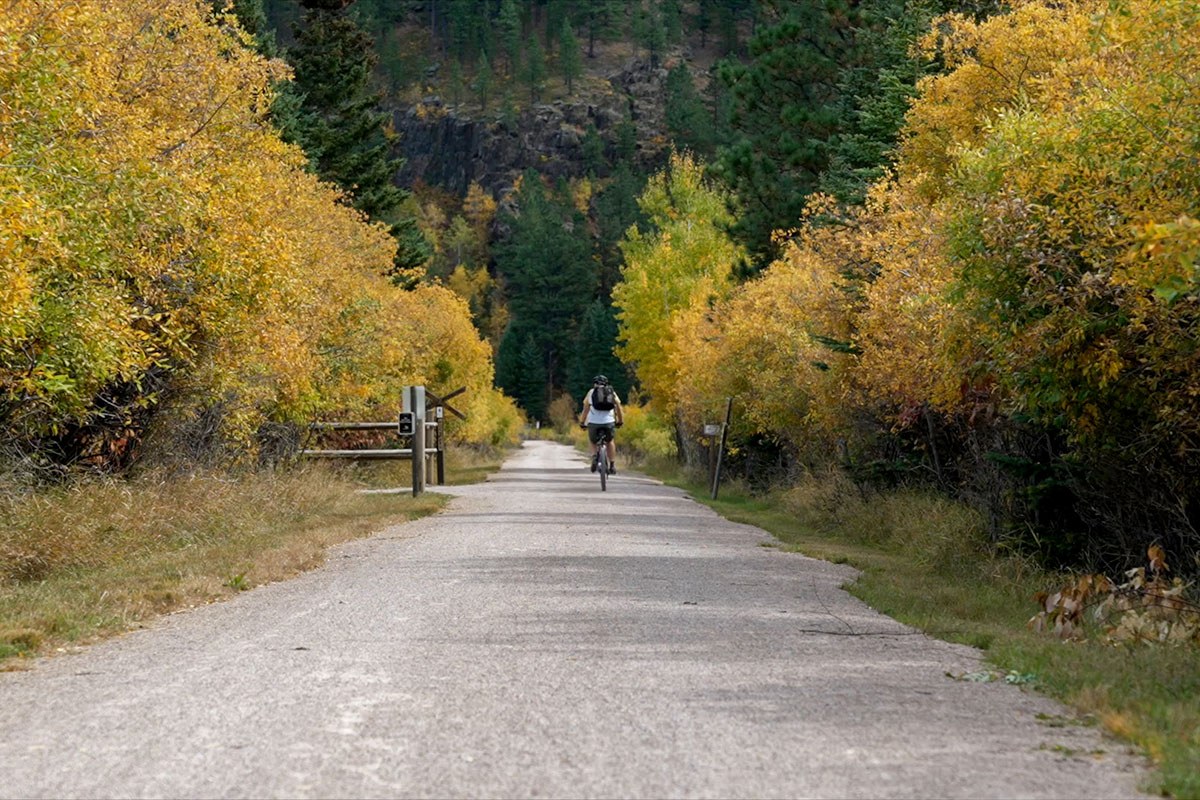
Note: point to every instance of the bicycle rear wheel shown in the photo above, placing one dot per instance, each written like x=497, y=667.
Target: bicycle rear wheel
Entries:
x=603, y=454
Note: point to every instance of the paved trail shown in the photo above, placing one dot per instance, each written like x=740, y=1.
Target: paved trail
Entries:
x=540, y=639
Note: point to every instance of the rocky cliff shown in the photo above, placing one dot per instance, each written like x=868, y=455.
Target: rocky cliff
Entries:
x=450, y=146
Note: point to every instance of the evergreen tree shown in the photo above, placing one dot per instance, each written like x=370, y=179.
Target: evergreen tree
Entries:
x=878, y=86
x=671, y=20
x=570, y=58
x=547, y=268
x=688, y=121
x=508, y=112
x=720, y=100
x=483, y=81
x=594, y=353
x=535, y=70
x=787, y=108
x=617, y=209
x=281, y=14
x=252, y=17
x=457, y=82
x=626, y=141
x=594, y=162
x=704, y=19
x=532, y=386
x=650, y=31
x=340, y=126
x=460, y=28
x=553, y=18
x=521, y=372
x=600, y=18
x=729, y=14
x=508, y=25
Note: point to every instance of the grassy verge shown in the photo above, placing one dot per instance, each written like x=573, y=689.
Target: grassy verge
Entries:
x=923, y=561
x=102, y=557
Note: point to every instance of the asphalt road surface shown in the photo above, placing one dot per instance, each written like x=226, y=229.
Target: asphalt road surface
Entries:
x=541, y=639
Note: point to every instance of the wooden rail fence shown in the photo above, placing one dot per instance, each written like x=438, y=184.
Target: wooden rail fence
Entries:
x=425, y=436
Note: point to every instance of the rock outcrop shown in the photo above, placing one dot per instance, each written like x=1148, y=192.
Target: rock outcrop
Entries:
x=452, y=146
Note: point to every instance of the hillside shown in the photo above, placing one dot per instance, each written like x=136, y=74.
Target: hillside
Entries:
x=453, y=131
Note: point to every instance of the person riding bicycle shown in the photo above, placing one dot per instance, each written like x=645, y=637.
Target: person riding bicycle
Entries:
x=602, y=410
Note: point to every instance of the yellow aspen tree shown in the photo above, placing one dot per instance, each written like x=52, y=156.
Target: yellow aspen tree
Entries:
x=685, y=260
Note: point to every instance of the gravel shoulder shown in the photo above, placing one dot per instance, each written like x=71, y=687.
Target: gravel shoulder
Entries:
x=542, y=639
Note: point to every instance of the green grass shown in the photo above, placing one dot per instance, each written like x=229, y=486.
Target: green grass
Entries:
x=101, y=557
x=924, y=561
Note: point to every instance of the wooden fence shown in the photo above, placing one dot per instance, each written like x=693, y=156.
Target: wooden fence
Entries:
x=425, y=436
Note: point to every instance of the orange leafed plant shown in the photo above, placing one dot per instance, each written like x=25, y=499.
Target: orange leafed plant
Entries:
x=1148, y=608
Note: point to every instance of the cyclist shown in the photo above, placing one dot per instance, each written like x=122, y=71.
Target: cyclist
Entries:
x=602, y=409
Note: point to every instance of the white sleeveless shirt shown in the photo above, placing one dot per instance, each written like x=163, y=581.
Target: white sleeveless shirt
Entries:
x=596, y=416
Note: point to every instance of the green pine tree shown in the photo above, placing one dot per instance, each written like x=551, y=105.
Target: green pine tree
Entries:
x=671, y=19
x=878, y=84
x=508, y=24
x=570, y=57
x=650, y=30
x=617, y=209
x=729, y=14
x=688, y=121
x=600, y=19
x=594, y=353
x=521, y=371
x=508, y=112
x=483, y=81
x=704, y=19
x=626, y=141
x=554, y=16
x=535, y=70
x=595, y=163
x=459, y=28
x=252, y=17
x=787, y=109
x=546, y=264
x=457, y=82
x=339, y=124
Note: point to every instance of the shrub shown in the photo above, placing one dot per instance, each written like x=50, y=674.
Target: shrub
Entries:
x=647, y=433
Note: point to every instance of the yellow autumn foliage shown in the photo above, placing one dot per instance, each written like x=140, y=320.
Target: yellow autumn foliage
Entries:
x=158, y=239
x=777, y=343
x=1034, y=252
x=1005, y=60
x=1070, y=233
x=670, y=272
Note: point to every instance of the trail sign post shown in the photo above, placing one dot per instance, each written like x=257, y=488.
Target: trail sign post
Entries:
x=721, y=451
x=414, y=404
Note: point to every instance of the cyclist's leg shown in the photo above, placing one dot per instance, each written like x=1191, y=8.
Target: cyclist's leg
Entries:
x=593, y=439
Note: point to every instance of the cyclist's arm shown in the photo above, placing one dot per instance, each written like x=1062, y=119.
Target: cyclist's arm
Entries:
x=619, y=411
x=587, y=407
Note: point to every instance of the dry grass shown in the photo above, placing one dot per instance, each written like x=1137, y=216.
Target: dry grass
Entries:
x=103, y=556
x=935, y=531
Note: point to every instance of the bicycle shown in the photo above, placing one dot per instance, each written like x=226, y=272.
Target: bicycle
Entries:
x=602, y=438
x=604, y=435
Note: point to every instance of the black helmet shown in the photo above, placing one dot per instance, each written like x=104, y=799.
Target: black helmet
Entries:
x=600, y=380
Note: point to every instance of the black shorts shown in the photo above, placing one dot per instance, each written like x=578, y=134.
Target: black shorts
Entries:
x=594, y=431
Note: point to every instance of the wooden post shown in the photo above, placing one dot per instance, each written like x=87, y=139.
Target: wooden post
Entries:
x=439, y=415
x=721, y=452
x=711, y=431
x=416, y=402
x=431, y=458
